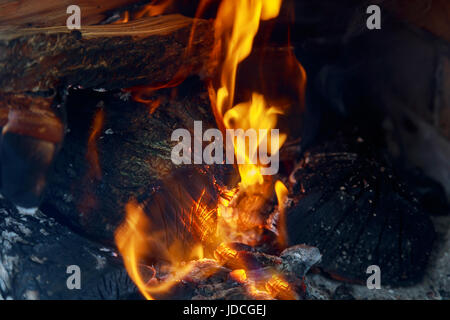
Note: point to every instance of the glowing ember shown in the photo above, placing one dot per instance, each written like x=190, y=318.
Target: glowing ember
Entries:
x=279, y=288
x=239, y=275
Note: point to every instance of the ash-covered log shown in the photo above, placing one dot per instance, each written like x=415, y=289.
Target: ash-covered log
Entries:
x=36, y=252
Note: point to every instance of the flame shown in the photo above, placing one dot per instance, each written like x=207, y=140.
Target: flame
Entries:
x=155, y=8
x=200, y=220
x=279, y=288
x=124, y=19
x=136, y=240
x=92, y=152
x=282, y=193
x=239, y=275
x=236, y=25
x=88, y=200
x=132, y=243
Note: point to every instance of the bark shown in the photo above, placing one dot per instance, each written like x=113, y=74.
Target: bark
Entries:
x=151, y=50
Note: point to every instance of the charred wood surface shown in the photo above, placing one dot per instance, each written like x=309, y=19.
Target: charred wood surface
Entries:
x=130, y=159
x=35, y=252
x=353, y=206
x=150, y=50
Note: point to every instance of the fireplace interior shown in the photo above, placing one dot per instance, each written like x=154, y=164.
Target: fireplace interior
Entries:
x=362, y=154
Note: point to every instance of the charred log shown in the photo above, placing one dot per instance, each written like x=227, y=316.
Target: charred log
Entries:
x=150, y=50
x=35, y=252
x=32, y=134
x=130, y=158
x=353, y=206
x=26, y=13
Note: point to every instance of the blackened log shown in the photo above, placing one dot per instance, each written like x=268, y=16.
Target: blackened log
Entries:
x=35, y=252
x=353, y=206
x=133, y=149
x=150, y=50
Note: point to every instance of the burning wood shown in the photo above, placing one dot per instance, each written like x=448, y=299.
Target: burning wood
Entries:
x=209, y=279
x=100, y=110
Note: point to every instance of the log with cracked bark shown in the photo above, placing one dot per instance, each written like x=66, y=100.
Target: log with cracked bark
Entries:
x=150, y=50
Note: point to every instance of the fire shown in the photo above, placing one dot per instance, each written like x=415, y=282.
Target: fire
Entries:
x=155, y=8
x=236, y=26
x=88, y=200
x=282, y=193
x=279, y=288
x=136, y=241
x=132, y=243
x=254, y=114
x=124, y=19
x=236, y=217
x=239, y=275
x=92, y=151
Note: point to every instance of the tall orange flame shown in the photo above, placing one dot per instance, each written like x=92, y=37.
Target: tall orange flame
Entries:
x=236, y=26
x=136, y=241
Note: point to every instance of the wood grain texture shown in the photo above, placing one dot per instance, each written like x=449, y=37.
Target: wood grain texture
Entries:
x=145, y=51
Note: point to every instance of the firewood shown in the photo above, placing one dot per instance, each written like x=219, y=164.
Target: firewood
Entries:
x=133, y=149
x=36, y=251
x=358, y=210
x=150, y=50
x=37, y=63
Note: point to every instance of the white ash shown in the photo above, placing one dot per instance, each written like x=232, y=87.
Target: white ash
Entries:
x=27, y=211
x=299, y=259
